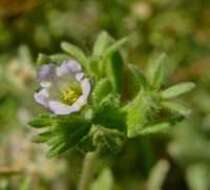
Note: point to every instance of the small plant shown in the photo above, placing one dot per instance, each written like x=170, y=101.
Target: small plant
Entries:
x=94, y=103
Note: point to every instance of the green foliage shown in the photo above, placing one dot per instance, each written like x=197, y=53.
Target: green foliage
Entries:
x=101, y=44
x=156, y=71
x=101, y=90
x=173, y=27
x=177, y=90
x=61, y=133
x=176, y=107
x=42, y=120
x=114, y=71
x=108, y=119
x=139, y=112
x=104, y=180
x=158, y=175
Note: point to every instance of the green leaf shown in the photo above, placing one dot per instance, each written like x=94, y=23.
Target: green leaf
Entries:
x=57, y=149
x=108, y=140
x=43, y=59
x=135, y=80
x=174, y=106
x=104, y=65
x=101, y=89
x=177, y=90
x=138, y=112
x=58, y=58
x=42, y=137
x=104, y=181
x=75, y=52
x=156, y=128
x=94, y=67
x=101, y=44
x=156, y=71
x=114, y=71
x=42, y=120
x=158, y=175
x=109, y=114
x=67, y=134
x=115, y=47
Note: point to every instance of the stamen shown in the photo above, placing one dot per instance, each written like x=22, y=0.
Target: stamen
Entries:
x=70, y=95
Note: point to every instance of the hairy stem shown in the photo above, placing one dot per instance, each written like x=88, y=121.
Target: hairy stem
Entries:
x=87, y=171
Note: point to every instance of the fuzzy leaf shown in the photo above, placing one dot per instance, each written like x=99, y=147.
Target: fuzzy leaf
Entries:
x=156, y=71
x=135, y=80
x=67, y=134
x=177, y=90
x=109, y=114
x=42, y=137
x=43, y=59
x=101, y=44
x=42, y=120
x=58, y=58
x=115, y=47
x=57, y=149
x=75, y=52
x=138, y=112
x=108, y=140
x=104, y=181
x=114, y=71
x=156, y=128
x=102, y=89
x=174, y=106
x=158, y=175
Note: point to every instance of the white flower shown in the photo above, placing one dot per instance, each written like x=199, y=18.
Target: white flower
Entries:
x=64, y=89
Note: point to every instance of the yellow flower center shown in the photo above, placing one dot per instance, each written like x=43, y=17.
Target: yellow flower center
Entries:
x=70, y=95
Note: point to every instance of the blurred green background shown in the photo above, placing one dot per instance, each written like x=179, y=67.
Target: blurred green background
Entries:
x=181, y=28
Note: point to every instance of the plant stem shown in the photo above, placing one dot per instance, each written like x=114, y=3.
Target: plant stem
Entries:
x=87, y=171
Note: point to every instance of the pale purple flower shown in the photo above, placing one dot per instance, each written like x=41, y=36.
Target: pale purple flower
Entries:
x=64, y=89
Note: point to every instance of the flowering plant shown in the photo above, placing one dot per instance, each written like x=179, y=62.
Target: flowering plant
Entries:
x=98, y=101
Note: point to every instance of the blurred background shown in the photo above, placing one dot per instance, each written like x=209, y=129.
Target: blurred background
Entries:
x=181, y=28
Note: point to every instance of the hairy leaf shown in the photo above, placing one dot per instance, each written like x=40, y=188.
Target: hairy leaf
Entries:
x=177, y=90
x=75, y=52
x=43, y=59
x=108, y=140
x=102, y=42
x=156, y=128
x=101, y=90
x=156, y=71
x=176, y=107
x=115, y=47
x=42, y=120
x=114, y=71
x=135, y=80
x=138, y=112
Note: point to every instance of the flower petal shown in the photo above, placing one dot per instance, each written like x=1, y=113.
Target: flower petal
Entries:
x=41, y=97
x=79, y=76
x=68, y=67
x=86, y=87
x=46, y=72
x=82, y=100
x=61, y=109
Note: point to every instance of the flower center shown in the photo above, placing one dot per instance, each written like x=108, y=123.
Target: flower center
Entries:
x=70, y=95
